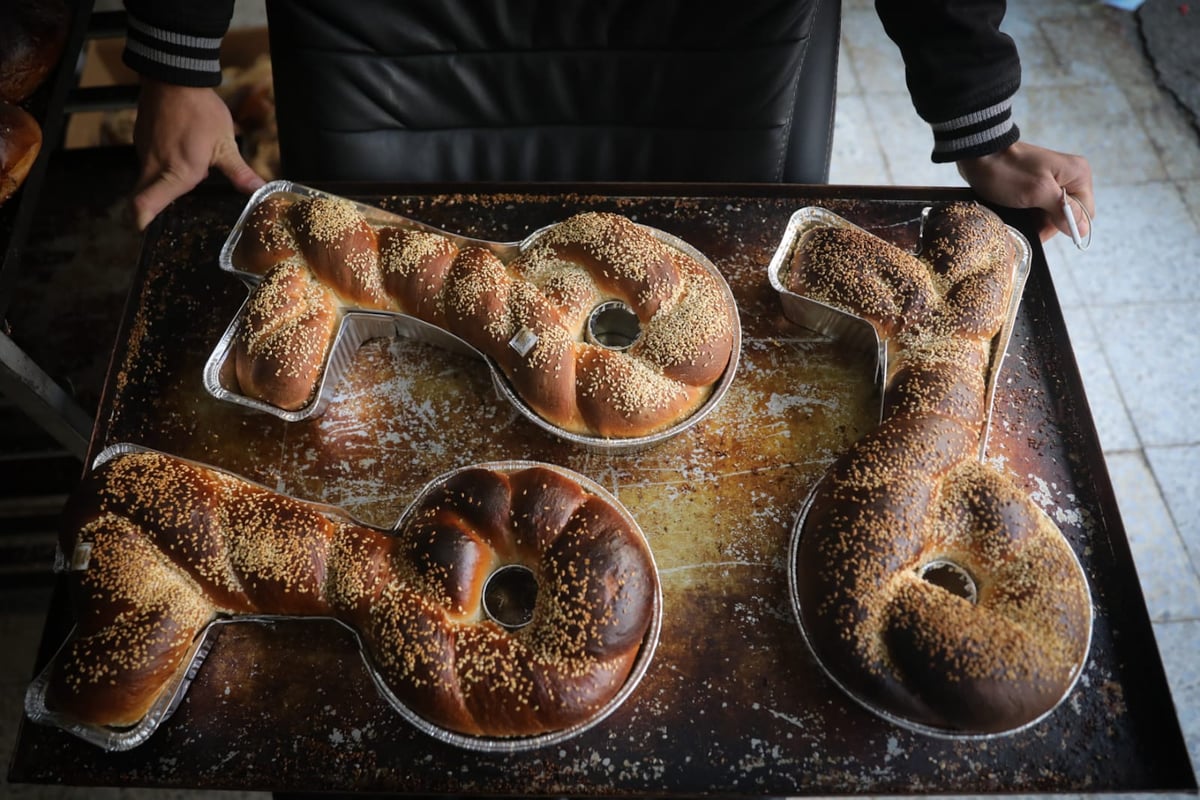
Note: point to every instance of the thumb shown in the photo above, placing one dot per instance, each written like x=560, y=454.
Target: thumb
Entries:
x=235, y=168
x=156, y=195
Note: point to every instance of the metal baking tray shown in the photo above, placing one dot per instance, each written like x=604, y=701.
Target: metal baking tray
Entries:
x=733, y=705
x=358, y=326
x=120, y=739
x=855, y=331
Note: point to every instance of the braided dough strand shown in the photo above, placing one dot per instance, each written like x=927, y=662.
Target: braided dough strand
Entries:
x=175, y=546
x=929, y=585
x=546, y=295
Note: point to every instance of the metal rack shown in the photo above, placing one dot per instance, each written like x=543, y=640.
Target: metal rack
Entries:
x=23, y=384
x=44, y=430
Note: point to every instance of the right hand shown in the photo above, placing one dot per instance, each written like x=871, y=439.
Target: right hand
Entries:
x=180, y=133
x=1028, y=176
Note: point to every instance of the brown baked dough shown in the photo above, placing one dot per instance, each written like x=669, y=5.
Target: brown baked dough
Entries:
x=285, y=334
x=686, y=323
x=33, y=34
x=175, y=546
x=910, y=516
x=20, y=143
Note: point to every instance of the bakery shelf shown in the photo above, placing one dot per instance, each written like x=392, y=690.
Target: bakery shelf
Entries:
x=23, y=382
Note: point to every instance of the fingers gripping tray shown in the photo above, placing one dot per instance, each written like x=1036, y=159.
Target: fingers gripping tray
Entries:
x=558, y=319
x=927, y=585
x=524, y=620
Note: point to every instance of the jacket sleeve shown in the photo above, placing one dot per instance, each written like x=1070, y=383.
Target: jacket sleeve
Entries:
x=961, y=71
x=177, y=41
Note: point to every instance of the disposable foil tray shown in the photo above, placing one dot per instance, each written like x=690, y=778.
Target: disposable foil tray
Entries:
x=857, y=332
x=127, y=738
x=358, y=326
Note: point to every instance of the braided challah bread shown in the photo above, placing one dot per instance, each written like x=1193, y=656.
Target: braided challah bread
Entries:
x=533, y=316
x=930, y=586
x=511, y=602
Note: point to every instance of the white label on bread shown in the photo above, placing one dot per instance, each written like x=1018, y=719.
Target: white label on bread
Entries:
x=524, y=341
x=81, y=557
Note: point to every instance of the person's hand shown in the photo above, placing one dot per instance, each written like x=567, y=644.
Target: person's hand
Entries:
x=1028, y=176
x=180, y=133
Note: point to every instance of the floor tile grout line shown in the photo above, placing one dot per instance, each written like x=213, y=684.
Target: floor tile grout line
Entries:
x=1176, y=528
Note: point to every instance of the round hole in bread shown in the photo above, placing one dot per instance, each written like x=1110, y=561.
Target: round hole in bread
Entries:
x=510, y=595
x=613, y=325
x=951, y=577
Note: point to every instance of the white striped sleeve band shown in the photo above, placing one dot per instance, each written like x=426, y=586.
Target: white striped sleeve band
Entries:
x=975, y=134
x=172, y=57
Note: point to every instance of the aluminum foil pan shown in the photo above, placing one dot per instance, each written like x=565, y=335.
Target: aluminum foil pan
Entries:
x=859, y=333
x=916, y=727
x=641, y=662
x=359, y=326
x=117, y=739
x=120, y=739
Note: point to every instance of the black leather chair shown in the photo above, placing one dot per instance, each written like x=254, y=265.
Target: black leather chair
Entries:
x=555, y=90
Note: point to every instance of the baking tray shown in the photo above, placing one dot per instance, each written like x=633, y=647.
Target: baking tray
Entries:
x=733, y=705
x=126, y=738
x=360, y=325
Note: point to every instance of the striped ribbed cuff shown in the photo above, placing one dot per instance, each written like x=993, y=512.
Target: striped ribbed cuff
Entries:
x=976, y=134
x=172, y=57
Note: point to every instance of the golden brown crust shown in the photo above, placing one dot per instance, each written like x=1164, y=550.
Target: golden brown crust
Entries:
x=175, y=545
x=913, y=493
x=689, y=338
x=849, y=268
x=136, y=620
x=623, y=259
x=595, y=604
x=266, y=238
x=545, y=294
x=414, y=265
x=20, y=143
x=284, y=338
x=340, y=247
x=622, y=397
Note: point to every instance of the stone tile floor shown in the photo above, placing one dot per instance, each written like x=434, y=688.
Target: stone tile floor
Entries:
x=1130, y=302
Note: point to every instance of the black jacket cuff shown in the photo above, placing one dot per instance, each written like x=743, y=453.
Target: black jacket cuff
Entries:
x=175, y=48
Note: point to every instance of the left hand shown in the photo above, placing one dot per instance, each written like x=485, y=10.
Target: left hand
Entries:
x=1027, y=176
x=180, y=133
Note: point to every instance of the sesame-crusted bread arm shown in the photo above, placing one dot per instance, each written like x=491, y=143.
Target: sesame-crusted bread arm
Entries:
x=929, y=584
x=529, y=315
x=172, y=546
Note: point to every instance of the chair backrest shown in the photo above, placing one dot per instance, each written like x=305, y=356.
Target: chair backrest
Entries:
x=555, y=90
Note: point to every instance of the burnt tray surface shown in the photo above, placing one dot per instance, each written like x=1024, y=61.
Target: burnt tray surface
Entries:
x=732, y=703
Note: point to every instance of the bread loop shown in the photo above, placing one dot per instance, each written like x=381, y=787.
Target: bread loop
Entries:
x=927, y=584
x=513, y=605
x=600, y=327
